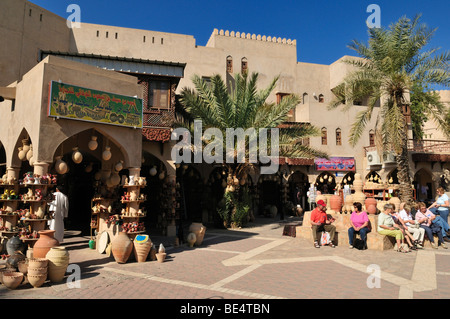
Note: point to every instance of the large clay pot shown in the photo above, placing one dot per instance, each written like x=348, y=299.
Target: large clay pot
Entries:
x=336, y=203
x=77, y=157
x=58, y=260
x=371, y=205
x=199, y=230
x=14, y=244
x=44, y=243
x=348, y=204
x=93, y=143
x=121, y=247
x=141, y=247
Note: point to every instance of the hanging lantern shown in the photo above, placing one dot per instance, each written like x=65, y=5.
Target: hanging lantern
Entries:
x=93, y=143
x=119, y=166
x=330, y=179
x=60, y=166
x=106, y=155
x=321, y=180
x=77, y=157
x=22, y=154
x=153, y=171
x=30, y=152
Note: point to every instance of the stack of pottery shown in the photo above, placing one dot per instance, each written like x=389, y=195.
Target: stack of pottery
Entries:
x=44, y=243
x=358, y=196
x=58, y=260
x=199, y=230
x=121, y=247
x=142, y=245
x=37, y=271
x=12, y=280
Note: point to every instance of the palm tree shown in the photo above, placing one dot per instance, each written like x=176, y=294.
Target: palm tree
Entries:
x=242, y=105
x=393, y=65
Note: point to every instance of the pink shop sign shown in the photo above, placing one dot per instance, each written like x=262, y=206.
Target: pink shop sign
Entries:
x=346, y=164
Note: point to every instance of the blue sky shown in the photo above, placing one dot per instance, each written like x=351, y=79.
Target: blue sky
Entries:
x=322, y=28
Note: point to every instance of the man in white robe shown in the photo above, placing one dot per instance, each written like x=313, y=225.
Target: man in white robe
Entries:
x=61, y=210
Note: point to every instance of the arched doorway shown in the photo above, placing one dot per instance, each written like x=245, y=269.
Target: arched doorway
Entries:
x=423, y=183
x=158, y=196
x=191, y=188
x=90, y=178
x=326, y=183
x=269, y=193
x=298, y=188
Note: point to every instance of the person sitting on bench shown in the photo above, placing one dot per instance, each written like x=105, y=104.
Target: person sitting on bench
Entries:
x=320, y=222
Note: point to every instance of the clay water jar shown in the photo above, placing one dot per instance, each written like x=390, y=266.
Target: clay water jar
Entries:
x=371, y=205
x=336, y=203
x=58, y=260
x=121, y=247
x=44, y=243
x=199, y=230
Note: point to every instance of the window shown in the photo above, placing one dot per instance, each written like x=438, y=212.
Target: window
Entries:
x=159, y=94
x=229, y=64
x=324, y=136
x=106, y=33
x=321, y=98
x=305, y=98
x=371, y=138
x=244, y=65
x=338, y=137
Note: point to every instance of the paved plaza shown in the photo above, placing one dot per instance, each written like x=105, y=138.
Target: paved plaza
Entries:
x=255, y=262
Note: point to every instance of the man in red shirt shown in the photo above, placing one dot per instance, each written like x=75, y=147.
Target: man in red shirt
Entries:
x=320, y=223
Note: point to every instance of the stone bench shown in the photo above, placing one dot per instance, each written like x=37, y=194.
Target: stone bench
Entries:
x=375, y=241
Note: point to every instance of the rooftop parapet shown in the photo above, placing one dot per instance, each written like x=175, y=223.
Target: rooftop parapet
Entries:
x=249, y=36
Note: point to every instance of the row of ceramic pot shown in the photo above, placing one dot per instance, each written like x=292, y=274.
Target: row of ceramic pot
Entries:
x=37, y=270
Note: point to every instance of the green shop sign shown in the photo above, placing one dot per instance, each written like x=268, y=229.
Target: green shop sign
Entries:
x=77, y=103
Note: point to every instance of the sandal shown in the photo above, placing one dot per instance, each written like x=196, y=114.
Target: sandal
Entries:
x=331, y=245
x=316, y=244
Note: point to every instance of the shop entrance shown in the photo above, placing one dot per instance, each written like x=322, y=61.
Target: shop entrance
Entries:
x=78, y=185
x=298, y=188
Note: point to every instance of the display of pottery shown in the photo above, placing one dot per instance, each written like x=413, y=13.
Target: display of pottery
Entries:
x=58, y=260
x=121, y=247
x=44, y=243
x=37, y=262
x=141, y=247
x=12, y=280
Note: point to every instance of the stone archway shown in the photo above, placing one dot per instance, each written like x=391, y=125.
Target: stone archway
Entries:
x=326, y=183
x=298, y=185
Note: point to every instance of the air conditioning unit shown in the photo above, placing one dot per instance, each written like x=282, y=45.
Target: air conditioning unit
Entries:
x=389, y=158
x=373, y=158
